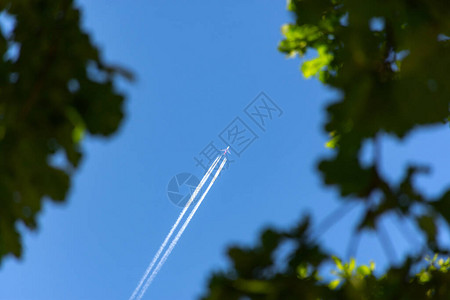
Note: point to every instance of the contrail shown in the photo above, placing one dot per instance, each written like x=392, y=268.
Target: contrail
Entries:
x=180, y=232
x=163, y=245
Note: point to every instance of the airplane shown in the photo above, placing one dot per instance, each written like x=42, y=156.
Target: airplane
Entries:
x=225, y=151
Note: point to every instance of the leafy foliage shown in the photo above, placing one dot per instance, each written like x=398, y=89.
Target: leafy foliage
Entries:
x=390, y=62
x=299, y=277
x=383, y=91
x=54, y=87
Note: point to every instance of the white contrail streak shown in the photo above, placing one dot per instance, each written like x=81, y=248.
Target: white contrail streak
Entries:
x=163, y=245
x=180, y=232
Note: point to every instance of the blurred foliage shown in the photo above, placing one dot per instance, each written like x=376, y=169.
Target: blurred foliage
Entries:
x=262, y=273
x=389, y=60
x=54, y=88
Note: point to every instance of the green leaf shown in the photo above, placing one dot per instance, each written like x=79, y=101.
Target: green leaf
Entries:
x=334, y=140
x=302, y=271
x=313, y=66
x=334, y=284
x=424, y=277
x=363, y=270
x=338, y=262
x=351, y=265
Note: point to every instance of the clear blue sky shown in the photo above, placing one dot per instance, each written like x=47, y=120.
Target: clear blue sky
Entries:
x=198, y=65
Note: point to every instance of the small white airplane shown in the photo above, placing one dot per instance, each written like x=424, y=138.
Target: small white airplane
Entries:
x=225, y=151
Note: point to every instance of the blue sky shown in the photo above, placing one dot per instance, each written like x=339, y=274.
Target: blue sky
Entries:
x=198, y=65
